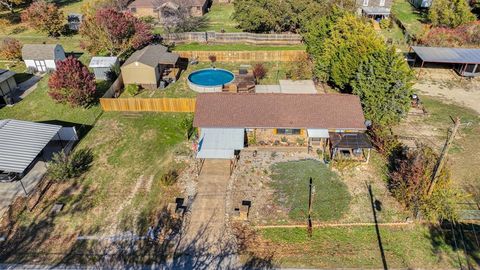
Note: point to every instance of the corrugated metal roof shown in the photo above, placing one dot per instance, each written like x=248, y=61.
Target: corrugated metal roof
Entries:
x=297, y=87
x=21, y=142
x=5, y=74
x=220, y=142
x=448, y=55
x=98, y=61
x=275, y=88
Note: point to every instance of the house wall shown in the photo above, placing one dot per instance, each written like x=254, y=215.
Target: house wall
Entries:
x=141, y=74
x=50, y=64
x=101, y=73
x=269, y=136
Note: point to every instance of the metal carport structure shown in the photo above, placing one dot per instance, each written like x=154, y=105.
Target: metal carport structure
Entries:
x=466, y=61
x=21, y=142
x=220, y=143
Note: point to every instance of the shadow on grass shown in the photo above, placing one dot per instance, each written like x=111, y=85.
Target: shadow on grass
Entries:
x=463, y=238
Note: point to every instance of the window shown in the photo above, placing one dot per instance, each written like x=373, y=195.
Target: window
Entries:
x=365, y=3
x=288, y=131
x=382, y=3
x=133, y=10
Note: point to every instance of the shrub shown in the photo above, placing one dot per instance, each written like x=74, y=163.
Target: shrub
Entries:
x=187, y=125
x=212, y=58
x=62, y=167
x=385, y=23
x=72, y=83
x=170, y=177
x=4, y=24
x=44, y=17
x=410, y=178
x=300, y=69
x=259, y=71
x=132, y=89
x=11, y=49
x=147, y=19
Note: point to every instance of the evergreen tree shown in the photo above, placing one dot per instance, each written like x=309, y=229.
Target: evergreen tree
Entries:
x=450, y=13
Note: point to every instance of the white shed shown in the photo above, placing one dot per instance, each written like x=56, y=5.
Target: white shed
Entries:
x=102, y=65
x=42, y=57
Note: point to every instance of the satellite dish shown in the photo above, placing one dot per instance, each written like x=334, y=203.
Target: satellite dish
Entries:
x=368, y=123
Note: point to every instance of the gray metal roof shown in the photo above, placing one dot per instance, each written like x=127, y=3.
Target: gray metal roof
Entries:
x=103, y=62
x=376, y=10
x=220, y=143
x=5, y=74
x=21, y=142
x=448, y=55
x=39, y=51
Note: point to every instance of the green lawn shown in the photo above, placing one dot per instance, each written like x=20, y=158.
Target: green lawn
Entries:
x=357, y=247
x=220, y=18
x=38, y=106
x=411, y=18
x=291, y=181
x=276, y=71
x=235, y=47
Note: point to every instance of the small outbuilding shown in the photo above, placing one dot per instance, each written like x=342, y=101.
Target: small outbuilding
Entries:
x=148, y=66
x=466, y=62
x=74, y=21
x=8, y=85
x=102, y=65
x=42, y=57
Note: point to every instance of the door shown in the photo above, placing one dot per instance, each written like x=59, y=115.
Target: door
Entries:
x=41, y=65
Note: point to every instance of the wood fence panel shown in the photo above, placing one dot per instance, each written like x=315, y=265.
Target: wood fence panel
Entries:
x=231, y=38
x=148, y=104
x=245, y=56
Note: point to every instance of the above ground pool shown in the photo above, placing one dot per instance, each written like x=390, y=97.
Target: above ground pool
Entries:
x=210, y=80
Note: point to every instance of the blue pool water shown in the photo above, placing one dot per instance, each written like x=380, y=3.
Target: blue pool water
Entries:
x=211, y=77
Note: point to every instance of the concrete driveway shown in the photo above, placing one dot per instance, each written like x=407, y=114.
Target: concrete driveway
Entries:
x=206, y=242
x=10, y=191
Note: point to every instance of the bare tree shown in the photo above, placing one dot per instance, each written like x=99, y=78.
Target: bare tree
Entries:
x=175, y=18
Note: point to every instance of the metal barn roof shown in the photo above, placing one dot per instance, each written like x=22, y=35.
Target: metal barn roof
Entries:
x=103, y=62
x=21, y=142
x=220, y=143
x=448, y=55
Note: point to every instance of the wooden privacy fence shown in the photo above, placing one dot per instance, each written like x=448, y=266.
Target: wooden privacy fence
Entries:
x=148, y=104
x=230, y=38
x=245, y=56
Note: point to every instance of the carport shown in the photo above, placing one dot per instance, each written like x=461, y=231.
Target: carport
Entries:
x=21, y=142
x=465, y=61
x=220, y=143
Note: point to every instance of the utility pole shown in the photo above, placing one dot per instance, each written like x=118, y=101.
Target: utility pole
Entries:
x=310, y=202
x=443, y=155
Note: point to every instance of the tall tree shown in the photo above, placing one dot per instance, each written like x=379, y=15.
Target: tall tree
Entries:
x=107, y=31
x=339, y=44
x=450, y=13
x=44, y=17
x=383, y=82
x=72, y=83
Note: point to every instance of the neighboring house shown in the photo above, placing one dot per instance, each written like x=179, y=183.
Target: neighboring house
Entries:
x=466, y=62
x=375, y=9
x=148, y=66
x=8, y=85
x=74, y=21
x=42, y=57
x=102, y=65
x=160, y=9
x=421, y=3
x=229, y=122
x=289, y=87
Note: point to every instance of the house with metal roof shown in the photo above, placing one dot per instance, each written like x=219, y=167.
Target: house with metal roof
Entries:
x=466, y=62
x=42, y=57
x=375, y=9
x=8, y=86
x=148, y=66
x=102, y=65
x=229, y=122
